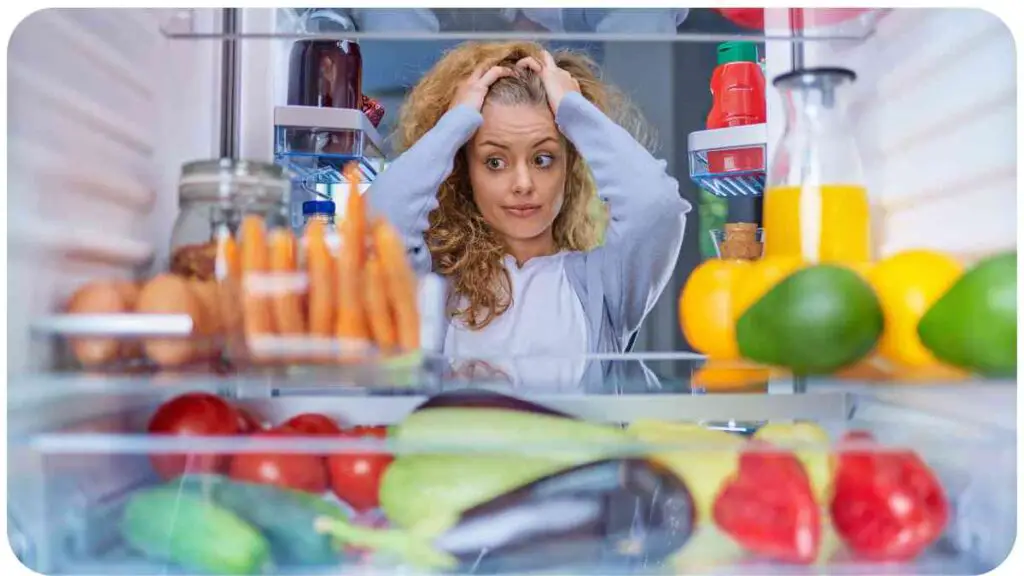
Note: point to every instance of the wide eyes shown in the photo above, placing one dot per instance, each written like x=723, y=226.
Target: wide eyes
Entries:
x=541, y=161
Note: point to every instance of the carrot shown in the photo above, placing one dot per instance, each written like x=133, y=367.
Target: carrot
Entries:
x=353, y=226
x=255, y=307
x=227, y=263
x=400, y=283
x=321, y=274
x=287, y=300
x=351, y=315
x=377, y=309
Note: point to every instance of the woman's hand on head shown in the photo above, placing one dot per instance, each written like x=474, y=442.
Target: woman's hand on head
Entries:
x=474, y=89
x=557, y=82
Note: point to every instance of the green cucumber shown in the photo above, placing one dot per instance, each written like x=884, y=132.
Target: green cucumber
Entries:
x=181, y=527
x=286, y=518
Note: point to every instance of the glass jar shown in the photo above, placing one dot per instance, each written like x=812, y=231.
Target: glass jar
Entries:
x=816, y=202
x=213, y=198
x=322, y=210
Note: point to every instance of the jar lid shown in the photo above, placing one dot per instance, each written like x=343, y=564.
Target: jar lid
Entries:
x=233, y=167
x=314, y=207
x=225, y=178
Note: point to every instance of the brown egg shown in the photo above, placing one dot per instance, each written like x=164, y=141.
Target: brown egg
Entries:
x=130, y=349
x=99, y=297
x=170, y=294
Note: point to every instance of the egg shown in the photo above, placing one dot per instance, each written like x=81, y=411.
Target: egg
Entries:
x=99, y=297
x=170, y=294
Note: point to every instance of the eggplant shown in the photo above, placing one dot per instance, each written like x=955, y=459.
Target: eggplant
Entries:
x=620, y=513
x=482, y=398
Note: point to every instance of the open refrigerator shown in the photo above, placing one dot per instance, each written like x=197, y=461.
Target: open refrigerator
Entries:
x=101, y=121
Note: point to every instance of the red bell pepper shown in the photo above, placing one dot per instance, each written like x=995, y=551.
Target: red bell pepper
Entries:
x=886, y=505
x=769, y=508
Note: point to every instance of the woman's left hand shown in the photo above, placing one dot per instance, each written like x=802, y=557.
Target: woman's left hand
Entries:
x=557, y=82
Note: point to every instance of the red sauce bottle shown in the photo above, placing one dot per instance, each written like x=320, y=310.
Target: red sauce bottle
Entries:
x=738, y=91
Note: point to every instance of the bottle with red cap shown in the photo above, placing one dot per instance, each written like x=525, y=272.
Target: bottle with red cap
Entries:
x=738, y=92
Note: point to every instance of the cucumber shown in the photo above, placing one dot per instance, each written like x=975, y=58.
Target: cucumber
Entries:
x=181, y=527
x=286, y=518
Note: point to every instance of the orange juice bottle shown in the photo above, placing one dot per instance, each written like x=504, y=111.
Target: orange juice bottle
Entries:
x=827, y=223
x=816, y=205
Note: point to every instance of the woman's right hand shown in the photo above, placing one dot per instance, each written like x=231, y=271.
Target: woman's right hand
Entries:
x=474, y=89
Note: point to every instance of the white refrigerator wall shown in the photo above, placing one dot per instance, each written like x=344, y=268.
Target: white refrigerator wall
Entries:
x=934, y=112
x=102, y=111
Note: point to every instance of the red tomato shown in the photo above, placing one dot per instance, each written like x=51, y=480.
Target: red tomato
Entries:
x=769, y=508
x=192, y=414
x=887, y=505
x=248, y=422
x=313, y=425
x=298, y=471
x=355, y=477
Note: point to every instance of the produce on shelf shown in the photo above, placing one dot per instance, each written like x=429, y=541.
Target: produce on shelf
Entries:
x=913, y=316
x=769, y=508
x=974, y=324
x=195, y=414
x=296, y=470
x=284, y=518
x=507, y=487
x=818, y=463
x=908, y=284
x=717, y=375
x=312, y=424
x=888, y=505
x=706, y=308
x=103, y=297
x=355, y=477
x=334, y=295
x=168, y=525
x=576, y=516
x=815, y=321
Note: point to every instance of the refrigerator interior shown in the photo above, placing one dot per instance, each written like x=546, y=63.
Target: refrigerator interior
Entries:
x=98, y=133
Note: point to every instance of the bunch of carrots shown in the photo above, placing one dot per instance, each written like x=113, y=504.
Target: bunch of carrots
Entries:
x=359, y=289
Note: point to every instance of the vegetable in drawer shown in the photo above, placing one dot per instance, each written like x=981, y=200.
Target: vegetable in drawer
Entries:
x=186, y=529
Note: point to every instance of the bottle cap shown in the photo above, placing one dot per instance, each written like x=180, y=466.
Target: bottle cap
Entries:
x=313, y=207
x=737, y=52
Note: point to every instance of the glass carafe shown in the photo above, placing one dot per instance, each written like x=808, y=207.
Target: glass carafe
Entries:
x=816, y=203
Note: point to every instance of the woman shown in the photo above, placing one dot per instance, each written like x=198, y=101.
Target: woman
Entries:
x=505, y=149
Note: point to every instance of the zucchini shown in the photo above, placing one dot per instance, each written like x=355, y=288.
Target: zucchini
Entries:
x=180, y=527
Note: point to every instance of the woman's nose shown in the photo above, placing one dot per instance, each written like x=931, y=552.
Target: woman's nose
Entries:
x=524, y=181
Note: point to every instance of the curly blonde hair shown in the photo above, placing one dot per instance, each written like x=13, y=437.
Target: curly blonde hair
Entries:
x=463, y=247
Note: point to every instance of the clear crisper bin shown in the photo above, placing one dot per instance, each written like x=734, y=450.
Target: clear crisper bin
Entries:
x=469, y=483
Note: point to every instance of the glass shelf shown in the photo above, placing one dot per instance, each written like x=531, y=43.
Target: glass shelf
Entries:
x=547, y=24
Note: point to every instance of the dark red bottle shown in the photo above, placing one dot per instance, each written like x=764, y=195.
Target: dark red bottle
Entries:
x=326, y=74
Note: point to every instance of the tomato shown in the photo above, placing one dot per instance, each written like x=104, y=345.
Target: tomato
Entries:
x=313, y=425
x=248, y=422
x=355, y=477
x=297, y=471
x=769, y=508
x=887, y=505
x=192, y=414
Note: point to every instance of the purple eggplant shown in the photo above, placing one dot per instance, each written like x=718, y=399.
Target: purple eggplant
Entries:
x=622, y=513
x=480, y=398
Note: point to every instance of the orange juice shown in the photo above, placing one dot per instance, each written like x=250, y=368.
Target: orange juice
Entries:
x=828, y=223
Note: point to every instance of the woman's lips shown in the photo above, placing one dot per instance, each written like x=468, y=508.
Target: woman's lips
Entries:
x=522, y=210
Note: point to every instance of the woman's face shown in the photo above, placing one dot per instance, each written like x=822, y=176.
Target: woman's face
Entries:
x=517, y=165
